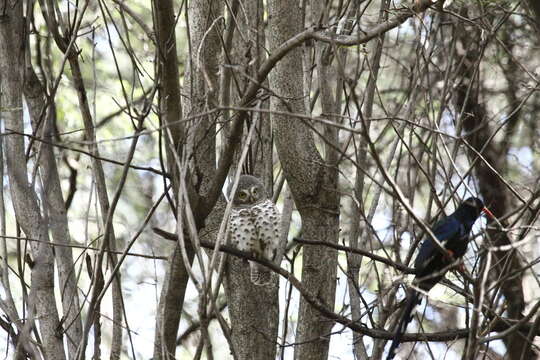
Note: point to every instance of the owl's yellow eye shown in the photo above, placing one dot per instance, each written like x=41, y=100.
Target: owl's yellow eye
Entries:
x=242, y=195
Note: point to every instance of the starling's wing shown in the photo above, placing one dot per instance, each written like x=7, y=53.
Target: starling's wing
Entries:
x=445, y=230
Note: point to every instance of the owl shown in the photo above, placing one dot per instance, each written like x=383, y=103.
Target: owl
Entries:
x=254, y=226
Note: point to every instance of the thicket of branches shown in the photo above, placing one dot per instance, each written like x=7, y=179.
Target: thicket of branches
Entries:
x=123, y=122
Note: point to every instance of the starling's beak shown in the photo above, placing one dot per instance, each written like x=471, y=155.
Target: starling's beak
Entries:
x=488, y=213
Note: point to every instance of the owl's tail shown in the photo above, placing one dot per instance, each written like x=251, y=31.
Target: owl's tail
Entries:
x=260, y=275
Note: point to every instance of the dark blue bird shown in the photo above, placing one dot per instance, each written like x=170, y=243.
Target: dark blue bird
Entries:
x=432, y=263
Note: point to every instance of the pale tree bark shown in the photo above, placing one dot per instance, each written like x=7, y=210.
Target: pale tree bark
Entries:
x=201, y=89
x=253, y=332
x=312, y=180
x=55, y=207
x=109, y=241
x=65, y=36
x=358, y=238
x=27, y=212
x=198, y=134
x=253, y=312
x=13, y=323
x=175, y=281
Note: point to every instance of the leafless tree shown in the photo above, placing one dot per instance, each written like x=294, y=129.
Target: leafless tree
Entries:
x=123, y=124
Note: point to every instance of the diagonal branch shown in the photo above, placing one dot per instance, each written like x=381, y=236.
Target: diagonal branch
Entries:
x=498, y=325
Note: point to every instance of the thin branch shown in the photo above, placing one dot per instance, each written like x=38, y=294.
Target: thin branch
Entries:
x=324, y=309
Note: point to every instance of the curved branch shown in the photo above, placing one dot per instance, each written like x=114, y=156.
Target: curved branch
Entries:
x=498, y=325
x=398, y=266
x=311, y=33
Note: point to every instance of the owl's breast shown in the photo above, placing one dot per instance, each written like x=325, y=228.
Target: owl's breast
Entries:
x=243, y=212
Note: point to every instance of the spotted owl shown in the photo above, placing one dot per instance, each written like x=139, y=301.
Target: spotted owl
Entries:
x=254, y=226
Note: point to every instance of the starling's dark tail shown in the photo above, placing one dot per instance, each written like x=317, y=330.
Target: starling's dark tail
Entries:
x=406, y=317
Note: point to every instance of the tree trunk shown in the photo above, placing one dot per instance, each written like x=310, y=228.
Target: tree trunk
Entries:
x=489, y=171
x=171, y=300
x=27, y=211
x=55, y=209
x=200, y=89
x=253, y=332
x=312, y=182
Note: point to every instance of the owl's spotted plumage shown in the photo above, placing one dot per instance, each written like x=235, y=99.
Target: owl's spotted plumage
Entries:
x=254, y=226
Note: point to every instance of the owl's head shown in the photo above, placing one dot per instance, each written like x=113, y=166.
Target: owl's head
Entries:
x=250, y=191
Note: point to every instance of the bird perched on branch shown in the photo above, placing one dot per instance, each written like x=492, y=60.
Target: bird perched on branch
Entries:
x=432, y=263
x=254, y=226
